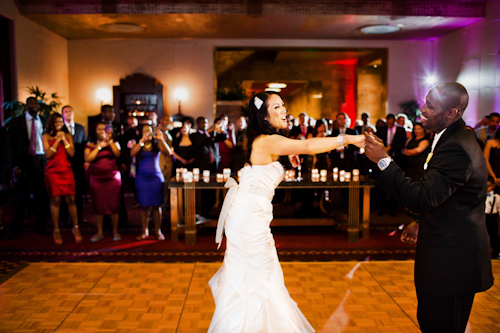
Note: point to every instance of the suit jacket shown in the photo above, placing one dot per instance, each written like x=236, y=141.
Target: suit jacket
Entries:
x=80, y=141
x=348, y=162
x=296, y=131
x=20, y=141
x=453, y=251
x=204, y=145
x=398, y=142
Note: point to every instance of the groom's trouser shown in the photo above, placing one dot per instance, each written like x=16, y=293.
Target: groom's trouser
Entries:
x=443, y=314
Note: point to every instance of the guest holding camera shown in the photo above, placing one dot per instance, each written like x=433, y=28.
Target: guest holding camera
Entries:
x=149, y=179
x=105, y=178
x=59, y=179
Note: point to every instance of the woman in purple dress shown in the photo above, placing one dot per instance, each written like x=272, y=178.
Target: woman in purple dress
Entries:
x=149, y=178
x=105, y=178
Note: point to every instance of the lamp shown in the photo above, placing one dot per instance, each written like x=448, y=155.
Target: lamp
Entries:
x=180, y=94
x=103, y=95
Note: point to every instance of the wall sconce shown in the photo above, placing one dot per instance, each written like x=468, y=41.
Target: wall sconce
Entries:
x=180, y=95
x=104, y=96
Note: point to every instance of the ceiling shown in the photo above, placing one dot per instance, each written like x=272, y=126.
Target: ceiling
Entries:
x=276, y=19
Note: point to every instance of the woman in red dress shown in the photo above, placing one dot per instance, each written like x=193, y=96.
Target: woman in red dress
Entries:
x=59, y=179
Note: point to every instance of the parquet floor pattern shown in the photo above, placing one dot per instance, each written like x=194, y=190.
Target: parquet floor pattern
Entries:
x=175, y=297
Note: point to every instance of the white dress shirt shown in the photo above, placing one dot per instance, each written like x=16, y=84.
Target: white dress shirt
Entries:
x=492, y=199
x=39, y=132
x=71, y=127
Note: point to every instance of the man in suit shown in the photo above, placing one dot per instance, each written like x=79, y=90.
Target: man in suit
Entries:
x=486, y=133
x=204, y=139
x=452, y=260
x=28, y=162
x=107, y=116
x=77, y=161
x=343, y=157
x=300, y=132
x=365, y=117
x=394, y=138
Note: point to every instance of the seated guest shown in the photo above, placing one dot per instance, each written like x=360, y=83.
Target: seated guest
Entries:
x=225, y=148
x=77, y=161
x=58, y=145
x=343, y=157
x=416, y=152
x=149, y=179
x=184, y=150
x=105, y=179
x=28, y=167
x=240, y=150
x=320, y=130
x=487, y=133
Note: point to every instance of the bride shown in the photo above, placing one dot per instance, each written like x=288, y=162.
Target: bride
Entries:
x=249, y=289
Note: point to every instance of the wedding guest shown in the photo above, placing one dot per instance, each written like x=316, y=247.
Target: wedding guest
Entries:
x=28, y=167
x=59, y=179
x=416, y=152
x=149, y=179
x=487, y=133
x=300, y=132
x=239, y=156
x=321, y=160
x=225, y=148
x=491, y=153
x=343, y=157
x=78, y=163
x=492, y=209
x=403, y=121
x=365, y=118
x=105, y=178
x=204, y=139
x=184, y=150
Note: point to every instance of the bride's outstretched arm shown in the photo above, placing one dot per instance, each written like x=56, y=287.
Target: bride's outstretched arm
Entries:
x=279, y=145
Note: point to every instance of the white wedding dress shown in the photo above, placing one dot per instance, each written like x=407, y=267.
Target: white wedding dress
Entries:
x=249, y=289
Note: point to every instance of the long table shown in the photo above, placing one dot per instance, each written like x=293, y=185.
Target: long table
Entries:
x=183, y=205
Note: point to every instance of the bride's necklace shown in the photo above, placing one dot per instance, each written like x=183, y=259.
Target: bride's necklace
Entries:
x=148, y=145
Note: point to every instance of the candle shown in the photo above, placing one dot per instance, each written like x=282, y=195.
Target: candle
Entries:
x=323, y=173
x=189, y=177
x=335, y=170
x=220, y=178
x=347, y=176
x=342, y=179
x=206, y=179
x=206, y=173
x=355, y=172
x=342, y=173
x=361, y=150
x=355, y=178
x=335, y=177
x=196, y=171
x=323, y=179
x=314, y=171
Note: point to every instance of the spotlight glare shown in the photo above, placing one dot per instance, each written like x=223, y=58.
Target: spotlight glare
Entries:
x=273, y=89
x=431, y=79
x=276, y=85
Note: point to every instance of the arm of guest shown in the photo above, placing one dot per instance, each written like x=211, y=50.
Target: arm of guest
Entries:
x=90, y=152
x=69, y=144
x=422, y=146
x=164, y=148
x=486, y=153
x=47, y=148
x=115, y=148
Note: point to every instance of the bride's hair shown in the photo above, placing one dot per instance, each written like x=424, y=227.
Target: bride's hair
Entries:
x=257, y=123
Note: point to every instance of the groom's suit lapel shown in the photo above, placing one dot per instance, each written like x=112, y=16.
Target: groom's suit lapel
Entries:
x=450, y=130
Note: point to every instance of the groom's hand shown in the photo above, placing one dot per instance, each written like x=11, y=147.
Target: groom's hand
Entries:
x=410, y=234
x=375, y=149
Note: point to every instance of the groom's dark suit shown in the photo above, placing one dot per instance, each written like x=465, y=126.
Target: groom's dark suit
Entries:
x=453, y=254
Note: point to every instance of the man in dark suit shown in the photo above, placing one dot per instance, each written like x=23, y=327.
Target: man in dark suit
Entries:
x=77, y=161
x=365, y=117
x=394, y=138
x=344, y=157
x=204, y=139
x=452, y=260
x=28, y=166
x=300, y=132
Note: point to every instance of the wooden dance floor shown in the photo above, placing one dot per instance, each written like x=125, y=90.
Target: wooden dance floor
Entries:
x=157, y=297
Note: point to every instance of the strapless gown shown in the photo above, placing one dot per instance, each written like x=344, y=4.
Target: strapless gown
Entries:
x=249, y=290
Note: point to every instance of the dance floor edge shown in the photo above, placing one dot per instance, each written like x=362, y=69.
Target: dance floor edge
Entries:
x=175, y=297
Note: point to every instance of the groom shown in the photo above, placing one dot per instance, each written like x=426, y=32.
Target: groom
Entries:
x=452, y=260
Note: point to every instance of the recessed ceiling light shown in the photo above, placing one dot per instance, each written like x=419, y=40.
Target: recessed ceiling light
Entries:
x=277, y=85
x=122, y=27
x=379, y=29
x=273, y=89
x=320, y=95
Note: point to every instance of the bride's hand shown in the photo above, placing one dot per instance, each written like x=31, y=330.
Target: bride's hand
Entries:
x=294, y=160
x=357, y=140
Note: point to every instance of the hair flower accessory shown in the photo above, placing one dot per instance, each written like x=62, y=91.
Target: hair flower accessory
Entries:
x=258, y=102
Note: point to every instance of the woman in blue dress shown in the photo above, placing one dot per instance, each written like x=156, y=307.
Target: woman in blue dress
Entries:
x=149, y=178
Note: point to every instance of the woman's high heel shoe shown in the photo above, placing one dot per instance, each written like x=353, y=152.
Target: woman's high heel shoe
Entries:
x=57, y=237
x=77, y=234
